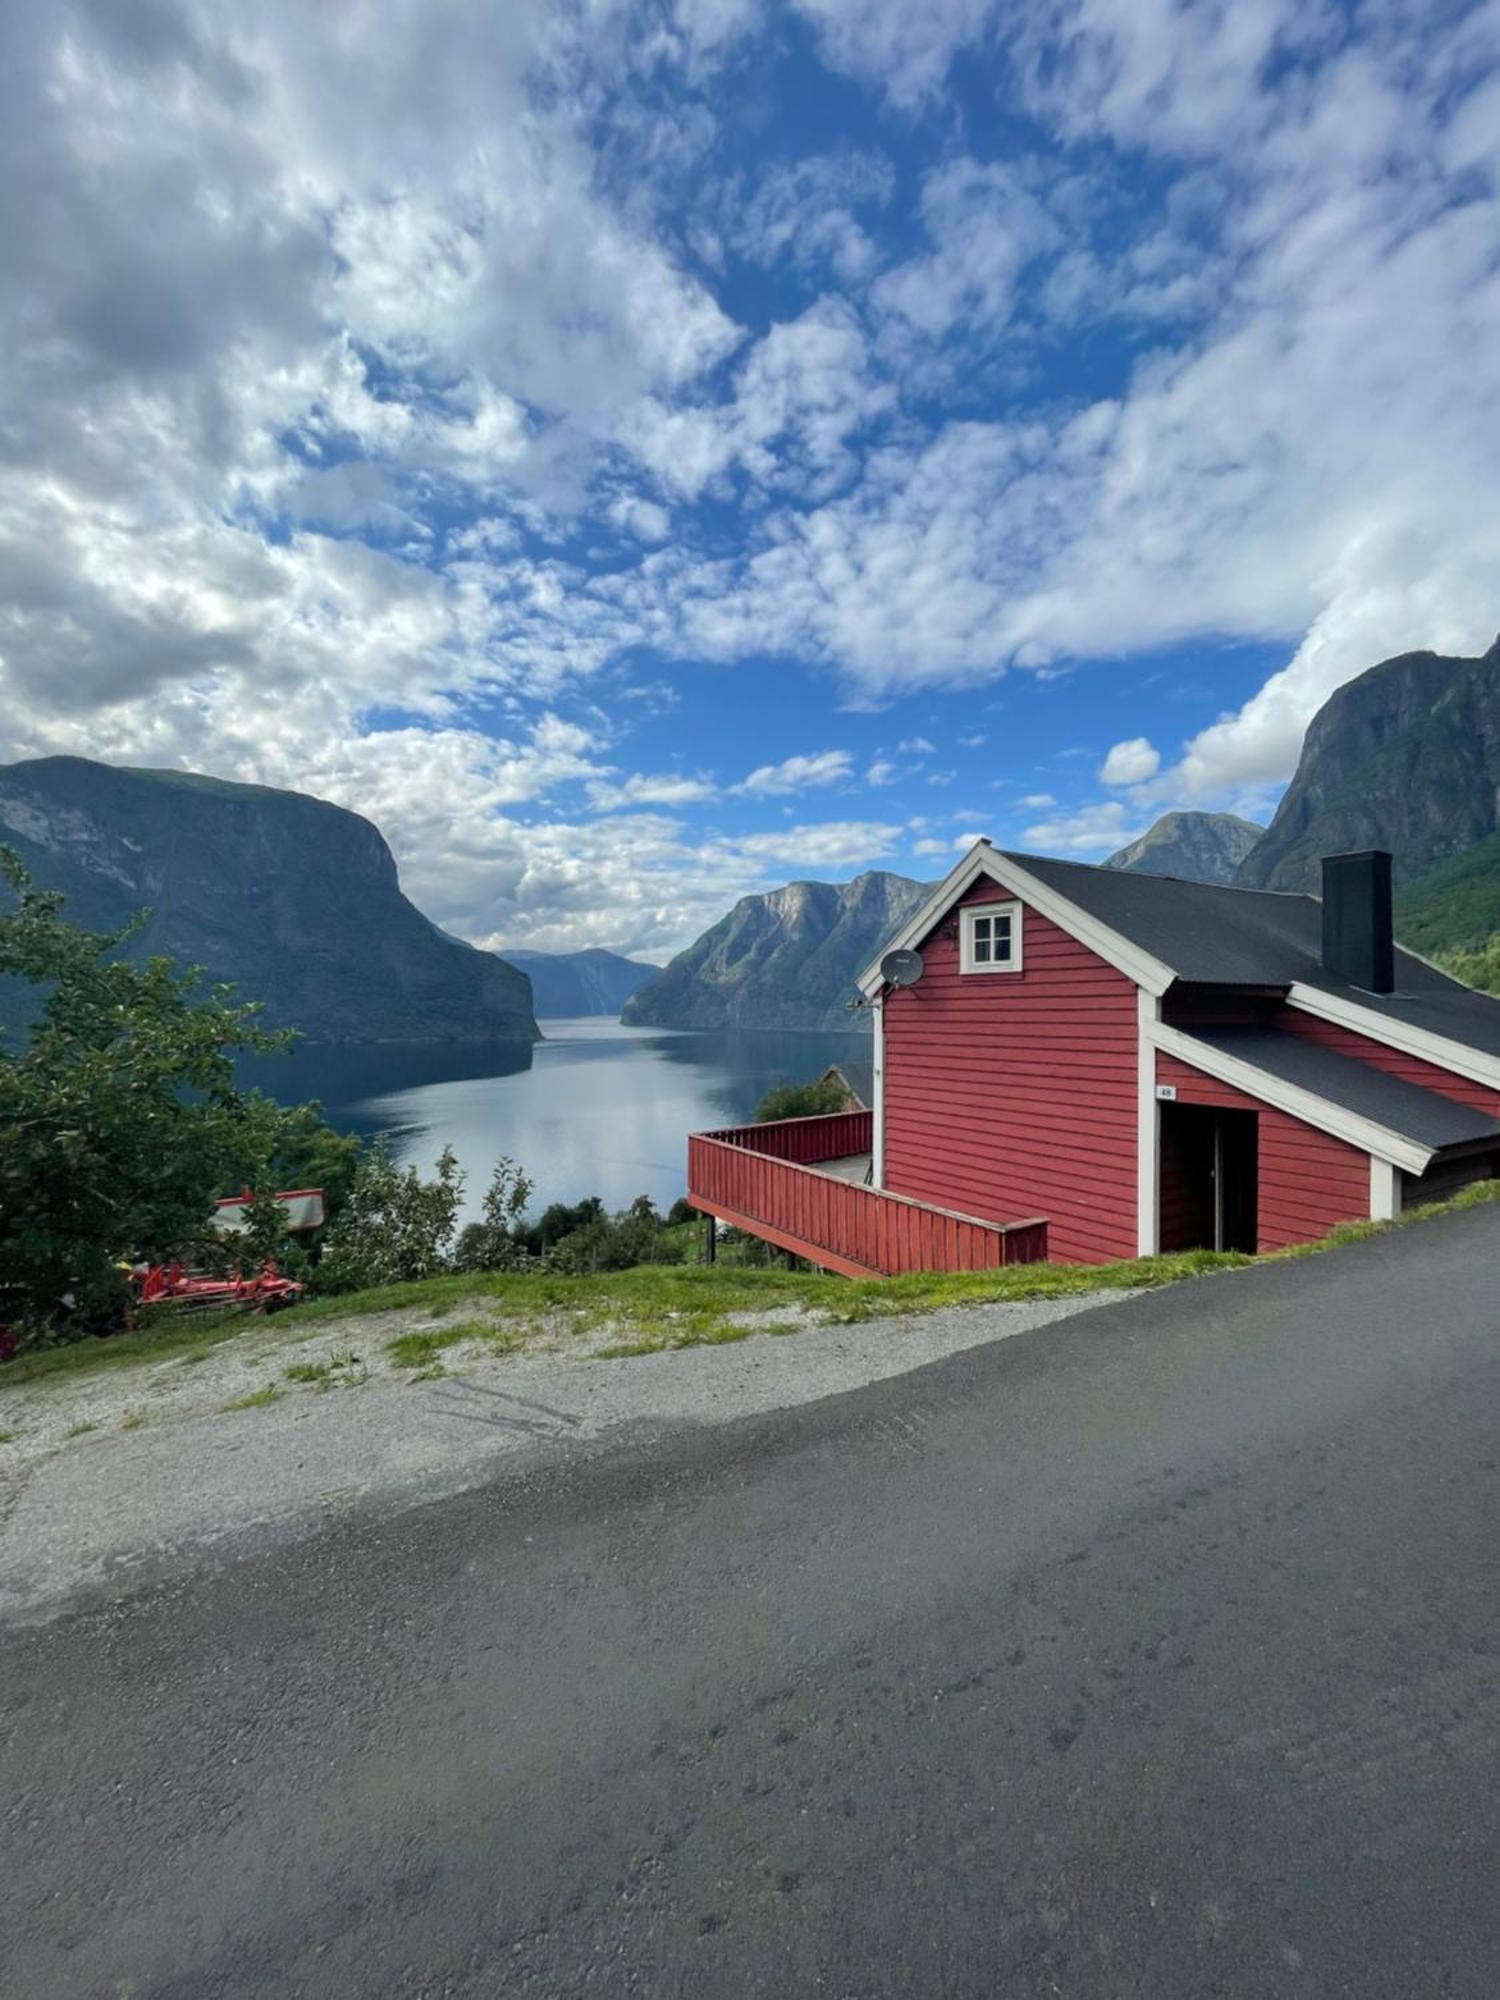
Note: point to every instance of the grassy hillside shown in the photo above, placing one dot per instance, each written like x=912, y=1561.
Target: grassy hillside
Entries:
x=1455, y=907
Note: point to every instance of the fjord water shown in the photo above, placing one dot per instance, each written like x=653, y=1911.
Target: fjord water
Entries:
x=594, y=1108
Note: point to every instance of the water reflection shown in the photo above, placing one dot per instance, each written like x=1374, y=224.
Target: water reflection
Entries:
x=595, y=1108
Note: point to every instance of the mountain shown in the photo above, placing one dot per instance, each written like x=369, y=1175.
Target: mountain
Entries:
x=1406, y=757
x=1455, y=906
x=1194, y=846
x=788, y=959
x=565, y=984
x=293, y=900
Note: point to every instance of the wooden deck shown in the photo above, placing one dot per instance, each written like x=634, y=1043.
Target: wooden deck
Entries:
x=799, y=1184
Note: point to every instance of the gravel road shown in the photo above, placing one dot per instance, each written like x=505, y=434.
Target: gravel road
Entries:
x=84, y=1513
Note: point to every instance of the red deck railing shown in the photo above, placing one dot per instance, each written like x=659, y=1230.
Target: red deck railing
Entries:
x=766, y=1179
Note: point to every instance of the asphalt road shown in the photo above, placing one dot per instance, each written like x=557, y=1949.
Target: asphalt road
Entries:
x=1152, y=1654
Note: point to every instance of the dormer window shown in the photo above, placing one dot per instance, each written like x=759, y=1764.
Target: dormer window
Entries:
x=991, y=938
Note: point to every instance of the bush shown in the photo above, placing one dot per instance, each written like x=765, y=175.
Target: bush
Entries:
x=497, y=1243
x=394, y=1226
x=637, y=1235
x=802, y=1100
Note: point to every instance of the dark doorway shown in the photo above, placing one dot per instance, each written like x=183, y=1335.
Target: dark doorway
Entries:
x=1209, y=1178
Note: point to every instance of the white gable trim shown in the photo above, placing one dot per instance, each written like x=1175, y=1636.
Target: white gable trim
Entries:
x=1392, y=1147
x=877, y=1122
x=1147, y=1128
x=983, y=861
x=1472, y=1064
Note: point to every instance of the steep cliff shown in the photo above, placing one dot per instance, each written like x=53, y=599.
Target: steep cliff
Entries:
x=1406, y=757
x=1194, y=846
x=293, y=900
x=787, y=959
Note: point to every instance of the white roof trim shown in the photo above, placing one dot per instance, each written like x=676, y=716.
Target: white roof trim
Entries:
x=1393, y=1147
x=984, y=860
x=1345, y=1013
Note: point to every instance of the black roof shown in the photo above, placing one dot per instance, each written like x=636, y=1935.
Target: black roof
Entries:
x=1212, y=936
x=1403, y=1108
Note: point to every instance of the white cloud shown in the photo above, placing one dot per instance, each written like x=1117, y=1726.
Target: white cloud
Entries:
x=312, y=442
x=807, y=210
x=665, y=789
x=1034, y=801
x=799, y=774
x=1095, y=829
x=930, y=848
x=917, y=746
x=1130, y=762
x=836, y=844
x=881, y=772
x=986, y=226
x=904, y=46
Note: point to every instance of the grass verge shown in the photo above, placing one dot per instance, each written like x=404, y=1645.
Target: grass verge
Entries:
x=659, y=1306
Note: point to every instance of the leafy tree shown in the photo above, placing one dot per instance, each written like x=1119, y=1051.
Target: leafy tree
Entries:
x=394, y=1226
x=560, y=1219
x=1479, y=968
x=120, y=1117
x=614, y=1243
x=310, y=1154
x=494, y=1244
x=802, y=1100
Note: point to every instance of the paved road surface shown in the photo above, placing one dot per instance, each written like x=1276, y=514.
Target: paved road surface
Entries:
x=1151, y=1655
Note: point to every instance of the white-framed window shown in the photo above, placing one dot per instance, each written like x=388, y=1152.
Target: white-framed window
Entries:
x=991, y=938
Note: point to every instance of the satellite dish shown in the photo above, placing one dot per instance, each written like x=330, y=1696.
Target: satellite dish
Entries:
x=902, y=968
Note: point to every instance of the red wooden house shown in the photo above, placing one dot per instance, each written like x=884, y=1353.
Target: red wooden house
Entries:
x=1091, y=1065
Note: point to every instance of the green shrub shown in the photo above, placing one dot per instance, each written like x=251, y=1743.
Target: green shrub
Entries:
x=802, y=1100
x=394, y=1227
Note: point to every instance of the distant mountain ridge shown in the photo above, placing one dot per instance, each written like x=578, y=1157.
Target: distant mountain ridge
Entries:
x=1194, y=846
x=293, y=900
x=786, y=959
x=565, y=984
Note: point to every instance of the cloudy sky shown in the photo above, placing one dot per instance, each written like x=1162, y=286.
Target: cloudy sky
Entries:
x=639, y=451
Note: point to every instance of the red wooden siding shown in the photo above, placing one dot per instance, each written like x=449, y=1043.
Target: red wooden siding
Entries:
x=1308, y=1180
x=1014, y=1093
x=758, y=1177
x=832, y=1135
x=1393, y=1061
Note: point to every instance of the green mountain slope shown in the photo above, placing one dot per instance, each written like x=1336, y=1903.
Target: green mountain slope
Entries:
x=292, y=899
x=565, y=984
x=1194, y=846
x=1455, y=906
x=787, y=959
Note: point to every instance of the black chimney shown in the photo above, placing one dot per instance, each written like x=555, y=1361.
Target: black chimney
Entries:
x=1358, y=934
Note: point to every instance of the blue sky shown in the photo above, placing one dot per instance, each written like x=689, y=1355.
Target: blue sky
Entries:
x=642, y=451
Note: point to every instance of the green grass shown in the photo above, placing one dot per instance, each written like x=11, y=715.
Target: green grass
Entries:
x=421, y=1349
x=330, y=1374
x=119, y=1350
x=256, y=1400
x=9, y=1437
x=79, y=1430
x=661, y=1306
